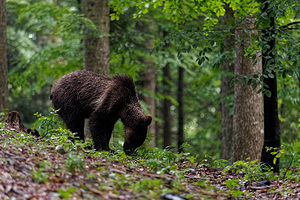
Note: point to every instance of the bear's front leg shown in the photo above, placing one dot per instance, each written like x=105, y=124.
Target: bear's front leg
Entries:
x=101, y=127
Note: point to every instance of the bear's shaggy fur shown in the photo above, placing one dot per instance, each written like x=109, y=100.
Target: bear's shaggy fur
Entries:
x=84, y=94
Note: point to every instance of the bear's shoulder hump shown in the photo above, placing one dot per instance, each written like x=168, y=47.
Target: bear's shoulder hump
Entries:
x=125, y=81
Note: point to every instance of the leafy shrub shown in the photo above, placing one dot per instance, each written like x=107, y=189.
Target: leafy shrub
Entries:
x=74, y=162
x=251, y=170
x=48, y=125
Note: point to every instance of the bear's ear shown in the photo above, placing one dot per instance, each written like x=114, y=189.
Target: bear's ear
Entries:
x=148, y=120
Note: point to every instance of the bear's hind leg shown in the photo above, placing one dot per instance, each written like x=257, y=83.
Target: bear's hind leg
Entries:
x=76, y=125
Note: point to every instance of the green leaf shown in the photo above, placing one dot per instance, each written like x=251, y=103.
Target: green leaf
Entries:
x=268, y=93
x=64, y=194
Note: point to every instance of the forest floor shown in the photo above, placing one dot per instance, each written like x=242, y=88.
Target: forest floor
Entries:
x=34, y=168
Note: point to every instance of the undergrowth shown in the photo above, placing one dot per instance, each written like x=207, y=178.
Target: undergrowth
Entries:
x=160, y=161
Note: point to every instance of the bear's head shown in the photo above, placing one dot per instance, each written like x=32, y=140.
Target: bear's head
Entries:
x=135, y=136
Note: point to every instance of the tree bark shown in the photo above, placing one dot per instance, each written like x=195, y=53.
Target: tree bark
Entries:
x=226, y=90
x=149, y=78
x=166, y=111
x=271, y=120
x=180, y=132
x=167, y=107
x=96, y=54
x=149, y=83
x=248, y=117
x=3, y=58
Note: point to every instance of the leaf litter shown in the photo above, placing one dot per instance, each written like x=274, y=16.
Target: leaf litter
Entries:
x=37, y=170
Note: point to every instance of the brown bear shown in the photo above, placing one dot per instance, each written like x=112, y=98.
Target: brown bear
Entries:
x=84, y=94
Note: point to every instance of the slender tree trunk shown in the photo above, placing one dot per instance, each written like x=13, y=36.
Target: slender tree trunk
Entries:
x=149, y=83
x=167, y=106
x=96, y=56
x=226, y=90
x=149, y=78
x=271, y=120
x=180, y=137
x=248, y=117
x=166, y=111
x=3, y=58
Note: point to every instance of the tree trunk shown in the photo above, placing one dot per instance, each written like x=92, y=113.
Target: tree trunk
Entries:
x=180, y=132
x=166, y=111
x=248, y=117
x=149, y=83
x=226, y=89
x=167, y=106
x=96, y=56
x=149, y=78
x=3, y=58
x=271, y=120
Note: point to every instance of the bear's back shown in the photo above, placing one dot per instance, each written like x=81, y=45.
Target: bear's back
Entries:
x=81, y=77
x=79, y=86
x=87, y=90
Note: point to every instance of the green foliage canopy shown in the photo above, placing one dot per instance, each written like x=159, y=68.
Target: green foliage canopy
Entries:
x=45, y=42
